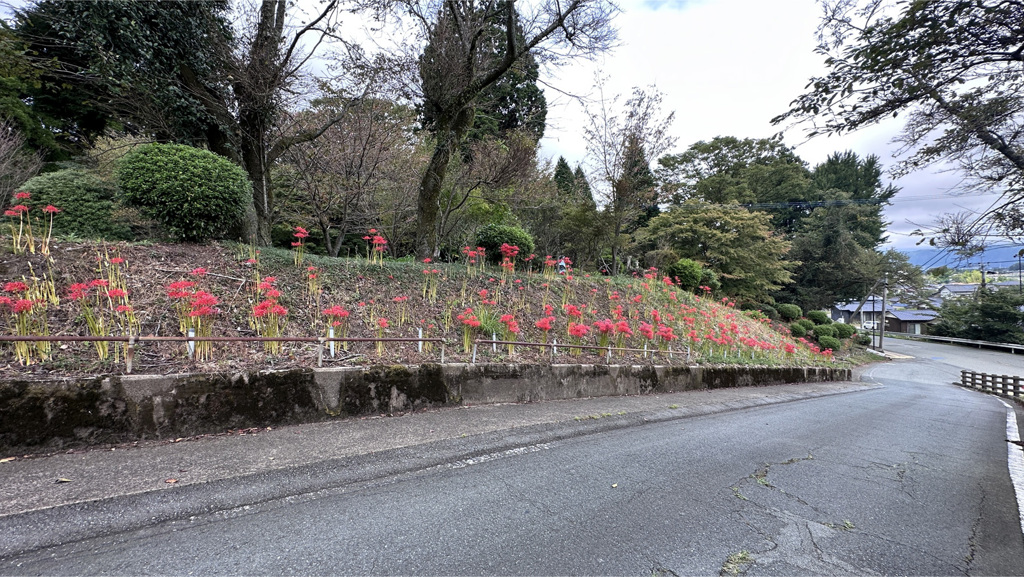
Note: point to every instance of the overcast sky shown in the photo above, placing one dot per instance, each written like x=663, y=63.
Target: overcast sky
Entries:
x=726, y=67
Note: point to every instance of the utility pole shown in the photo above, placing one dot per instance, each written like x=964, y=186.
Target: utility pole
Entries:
x=881, y=326
x=1020, y=285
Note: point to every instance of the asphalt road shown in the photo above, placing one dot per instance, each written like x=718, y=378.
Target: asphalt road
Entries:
x=909, y=477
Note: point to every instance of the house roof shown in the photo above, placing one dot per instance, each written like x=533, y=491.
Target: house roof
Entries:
x=915, y=316
x=870, y=306
x=960, y=289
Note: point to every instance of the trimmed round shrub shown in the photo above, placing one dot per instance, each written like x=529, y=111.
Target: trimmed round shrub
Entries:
x=687, y=272
x=797, y=330
x=769, y=311
x=819, y=317
x=789, y=313
x=492, y=236
x=807, y=324
x=88, y=205
x=196, y=194
x=709, y=278
x=824, y=331
x=829, y=343
x=863, y=340
x=844, y=331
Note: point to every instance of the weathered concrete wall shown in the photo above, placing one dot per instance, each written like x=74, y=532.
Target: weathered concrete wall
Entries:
x=62, y=413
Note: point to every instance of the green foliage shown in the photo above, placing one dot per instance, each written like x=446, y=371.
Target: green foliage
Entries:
x=807, y=324
x=990, y=315
x=829, y=343
x=844, y=331
x=789, y=312
x=819, y=317
x=492, y=236
x=739, y=245
x=196, y=194
x=88, y=205
x=687, y=273
x=825, y=330
x=709, y=278
x=148, y=64
x=863, y=340
x=797, y=330
x=769, y=311
x=730, y=170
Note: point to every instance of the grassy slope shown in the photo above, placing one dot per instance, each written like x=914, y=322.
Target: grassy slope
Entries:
x=369, y=292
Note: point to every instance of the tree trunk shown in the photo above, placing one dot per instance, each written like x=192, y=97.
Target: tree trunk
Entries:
x=449, y=135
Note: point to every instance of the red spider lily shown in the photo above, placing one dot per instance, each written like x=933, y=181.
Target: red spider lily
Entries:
x=605, y=326
x=100, y=282
x=301, y=233
x=116, y=260
x=509, y=251
x=15, y=287
x=578, y=330
x=23, y=306
x=203, y=299
x=198, y=272
x=78, y=291
x=544, y=324
x=647, y=330
x=22, y=195
x=11, y=212
x=382, y=323
x=124, y=308
x=50, y=209
x=638, y=298
x=177, y=290
x=19, y=209
x=573, y=311
x=549, y=310
x=203, y=311
x=468, y=318
x=6, y=301
x=262, y=308
x=665, y=333
x=336, y=312
x=117, y=293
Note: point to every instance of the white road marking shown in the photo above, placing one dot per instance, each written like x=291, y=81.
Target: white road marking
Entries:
x=495, y=456
x=1015, y=459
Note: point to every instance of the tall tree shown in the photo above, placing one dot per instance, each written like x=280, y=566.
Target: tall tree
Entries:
x=563, y=177
x=859, y=182
x=619, y=144
x=763, y=174
x=951, y=66
x=736, y=243
x=177, y=71
x=462, y=58
x=335, y=178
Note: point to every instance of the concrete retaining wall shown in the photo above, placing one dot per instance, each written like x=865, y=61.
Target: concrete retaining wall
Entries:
x=64, y=413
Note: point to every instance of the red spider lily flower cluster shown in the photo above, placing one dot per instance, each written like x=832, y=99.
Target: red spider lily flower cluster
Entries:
x=337, y=314
x=578, y=330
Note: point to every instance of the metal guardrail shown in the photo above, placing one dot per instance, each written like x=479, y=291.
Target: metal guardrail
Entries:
x=555, y=345
x=1002, y=385
x=1013, y=348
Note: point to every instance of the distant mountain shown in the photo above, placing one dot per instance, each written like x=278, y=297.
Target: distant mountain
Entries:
x=993, y=258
